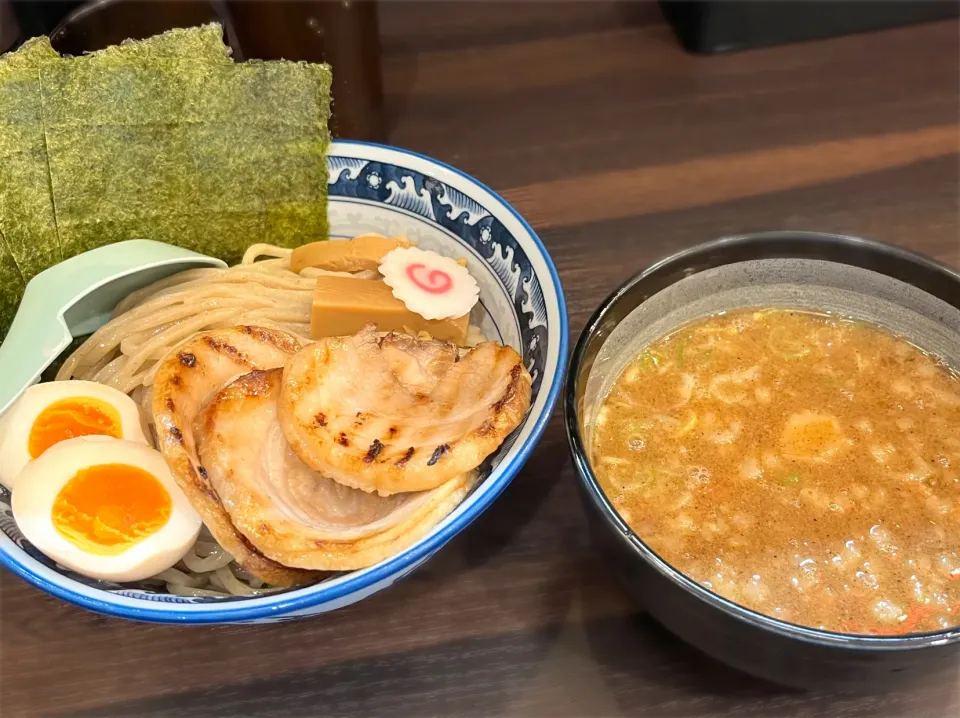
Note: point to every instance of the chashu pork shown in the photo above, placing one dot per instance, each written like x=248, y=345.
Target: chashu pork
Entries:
x=185, y=382
x=392, y=414
x=294, y=515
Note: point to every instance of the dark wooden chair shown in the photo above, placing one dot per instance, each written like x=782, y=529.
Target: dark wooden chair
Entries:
x=340, y=32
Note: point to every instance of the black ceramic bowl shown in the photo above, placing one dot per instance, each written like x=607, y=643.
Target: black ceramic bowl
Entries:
x=855, y=272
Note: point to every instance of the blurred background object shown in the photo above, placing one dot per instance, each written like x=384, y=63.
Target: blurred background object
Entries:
x=346, y=33
x=9, y=30
x=343, y=33
x=722, y=25
x=39, y=17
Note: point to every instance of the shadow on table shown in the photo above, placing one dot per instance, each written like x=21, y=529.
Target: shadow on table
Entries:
x=498, y=529
x=468, y=678
x=520, y=502
x=650, y=671
x=642, y=661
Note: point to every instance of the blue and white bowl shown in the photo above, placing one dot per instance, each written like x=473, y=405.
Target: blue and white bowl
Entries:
x=393, y=192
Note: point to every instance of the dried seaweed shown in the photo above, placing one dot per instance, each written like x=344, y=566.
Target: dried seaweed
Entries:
x=204, y=44
x=26, y=208
x=163, y=138
x=27, y=213
x=11, y=288
x=17, y=67
x=191, y=154
x=29, y=55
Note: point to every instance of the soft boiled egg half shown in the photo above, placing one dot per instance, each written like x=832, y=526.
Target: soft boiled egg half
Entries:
x=106, y=508
x=49, y=413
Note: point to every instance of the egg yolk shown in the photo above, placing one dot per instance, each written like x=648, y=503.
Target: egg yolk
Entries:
x=70, y=418
x=106, y=509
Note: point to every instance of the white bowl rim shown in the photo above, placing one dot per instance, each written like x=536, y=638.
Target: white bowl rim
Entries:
x=303, y=599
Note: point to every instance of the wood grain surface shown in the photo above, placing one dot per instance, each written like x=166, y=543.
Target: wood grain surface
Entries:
x=619, y=147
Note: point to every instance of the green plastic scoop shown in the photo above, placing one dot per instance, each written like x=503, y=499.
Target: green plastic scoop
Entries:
x=75, y=298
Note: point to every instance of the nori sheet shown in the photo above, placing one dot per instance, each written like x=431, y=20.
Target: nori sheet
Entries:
x=29, y=55
x=11, y=280
x=27, y=212
x=203, y=44
x=163, y=138
x=191, y=154
x=26, y=208
x=11, y=288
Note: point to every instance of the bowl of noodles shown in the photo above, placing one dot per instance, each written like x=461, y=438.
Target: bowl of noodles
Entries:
x=222, y=366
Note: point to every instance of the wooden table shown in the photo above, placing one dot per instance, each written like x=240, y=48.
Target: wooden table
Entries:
x=619, y=148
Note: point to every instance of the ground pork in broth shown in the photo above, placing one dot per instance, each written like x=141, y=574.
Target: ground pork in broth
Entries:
x=798, y=464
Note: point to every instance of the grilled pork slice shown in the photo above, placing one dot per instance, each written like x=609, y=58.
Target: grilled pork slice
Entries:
x=294, y=515
x=186, y=381
x=392, y=414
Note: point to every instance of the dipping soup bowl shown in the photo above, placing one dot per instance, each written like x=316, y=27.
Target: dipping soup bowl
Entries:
x=912, y=295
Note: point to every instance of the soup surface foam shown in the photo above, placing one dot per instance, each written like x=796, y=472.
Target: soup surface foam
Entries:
x=799, y=464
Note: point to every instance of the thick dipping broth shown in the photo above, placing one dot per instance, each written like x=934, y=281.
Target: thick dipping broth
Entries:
x=801, y=465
